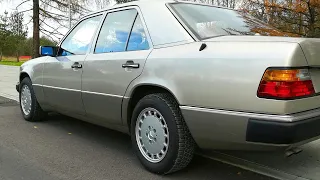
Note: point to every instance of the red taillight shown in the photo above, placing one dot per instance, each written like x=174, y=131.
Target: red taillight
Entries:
x=285, y=84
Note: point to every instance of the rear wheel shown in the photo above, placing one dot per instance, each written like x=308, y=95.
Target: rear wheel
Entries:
x=160, y=136
x=30, y=108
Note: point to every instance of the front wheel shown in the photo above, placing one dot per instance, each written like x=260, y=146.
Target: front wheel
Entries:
x=30, y=108
x=160, y=136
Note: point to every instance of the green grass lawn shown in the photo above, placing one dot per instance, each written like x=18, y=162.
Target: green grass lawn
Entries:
x=11, y=63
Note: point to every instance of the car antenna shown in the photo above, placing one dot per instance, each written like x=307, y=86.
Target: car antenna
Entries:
x=203, y=46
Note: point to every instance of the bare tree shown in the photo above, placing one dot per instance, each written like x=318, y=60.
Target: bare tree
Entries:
x=101, y=4
x=36, y=29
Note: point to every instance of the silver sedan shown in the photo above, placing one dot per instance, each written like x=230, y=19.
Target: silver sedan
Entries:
x=176, y=76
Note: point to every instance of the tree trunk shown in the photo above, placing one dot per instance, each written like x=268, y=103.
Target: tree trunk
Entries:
x=17, y=54
x=36, y=29
x=0, y=55
x=312, y=20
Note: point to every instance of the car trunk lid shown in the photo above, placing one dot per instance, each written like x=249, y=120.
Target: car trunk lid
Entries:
x=304, y=55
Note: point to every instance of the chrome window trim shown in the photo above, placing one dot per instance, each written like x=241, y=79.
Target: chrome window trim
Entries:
x=78, y=22
x=106, y=12
x=181, y=22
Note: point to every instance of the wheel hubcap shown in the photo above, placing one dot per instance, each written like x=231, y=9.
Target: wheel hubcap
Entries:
x=152, y=135
x=25, y=100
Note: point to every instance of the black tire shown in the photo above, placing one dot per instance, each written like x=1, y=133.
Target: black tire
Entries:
x=181, y=144
x=36, y=113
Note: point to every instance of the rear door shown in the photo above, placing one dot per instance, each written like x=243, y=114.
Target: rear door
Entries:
x=62, y=74
x=118, y=57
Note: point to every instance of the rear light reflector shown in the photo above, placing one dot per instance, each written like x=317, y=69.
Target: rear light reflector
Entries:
x=285, y=84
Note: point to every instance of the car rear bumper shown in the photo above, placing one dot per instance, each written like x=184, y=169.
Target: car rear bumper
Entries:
x=262, y=131
x=230, y=130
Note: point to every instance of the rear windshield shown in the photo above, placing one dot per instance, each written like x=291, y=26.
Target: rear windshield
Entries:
x=208, y=21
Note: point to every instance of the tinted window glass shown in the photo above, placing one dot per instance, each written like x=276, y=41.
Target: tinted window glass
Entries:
x=138, y=39
x=208, y=21
x=115, y=31
x=78, y=41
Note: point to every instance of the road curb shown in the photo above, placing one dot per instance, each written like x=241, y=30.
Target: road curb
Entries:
x=9, y=96
x=4, y=102
x=251, y=166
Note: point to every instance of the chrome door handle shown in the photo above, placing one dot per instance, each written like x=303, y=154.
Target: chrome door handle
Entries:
x=130, y=64
x=76, y=65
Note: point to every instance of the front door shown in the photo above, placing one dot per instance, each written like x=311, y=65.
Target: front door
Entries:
x=62, y=74
x=121, y=50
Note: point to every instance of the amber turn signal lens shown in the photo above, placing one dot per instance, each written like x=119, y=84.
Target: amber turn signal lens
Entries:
x=287, y=75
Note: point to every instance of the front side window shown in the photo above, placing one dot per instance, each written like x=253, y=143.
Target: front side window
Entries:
x=138, y=39
x=208, y=21
x=78, y=41
x=115, y=31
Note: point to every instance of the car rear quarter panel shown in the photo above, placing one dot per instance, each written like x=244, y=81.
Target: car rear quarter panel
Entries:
x=225, y=75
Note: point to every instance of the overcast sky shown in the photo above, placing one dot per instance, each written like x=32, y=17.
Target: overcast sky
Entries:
x=10, y=6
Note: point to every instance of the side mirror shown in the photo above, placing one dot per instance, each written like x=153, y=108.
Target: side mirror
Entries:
x=48, y=51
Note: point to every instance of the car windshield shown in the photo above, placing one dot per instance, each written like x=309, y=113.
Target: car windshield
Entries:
x=208, y=21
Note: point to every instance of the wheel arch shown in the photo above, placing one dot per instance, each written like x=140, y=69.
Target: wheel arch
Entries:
x=141, y=91
x=35, y=76
x=24, y=75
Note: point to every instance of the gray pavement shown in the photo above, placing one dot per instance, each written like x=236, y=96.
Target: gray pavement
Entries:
x=9, y=76
x=305, y=165
x=63, y=148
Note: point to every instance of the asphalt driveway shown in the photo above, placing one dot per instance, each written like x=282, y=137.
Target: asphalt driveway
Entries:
x=68, y=149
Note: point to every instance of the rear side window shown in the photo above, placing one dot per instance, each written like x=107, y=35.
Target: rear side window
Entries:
x=115, y=31
x=138, y=39
x=208, y=21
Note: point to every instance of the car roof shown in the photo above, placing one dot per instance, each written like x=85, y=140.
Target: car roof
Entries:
x=163, y=27
x=161, y=24
x=150, y=2
x=134, y=3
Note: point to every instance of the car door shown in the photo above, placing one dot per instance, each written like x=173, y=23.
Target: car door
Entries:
x=118, y=57
x=62, y=74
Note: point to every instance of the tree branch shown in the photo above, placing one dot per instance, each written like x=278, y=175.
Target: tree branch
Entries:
x=48, y=12
x=51, y=33
x=54, y=29
x=28, y=22
x=20, y=12
x=49, y=36
x=22, y=3
x=57, y=18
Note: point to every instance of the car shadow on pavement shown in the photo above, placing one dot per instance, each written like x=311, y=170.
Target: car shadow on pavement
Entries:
x=199, y=168
x=90, y=132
